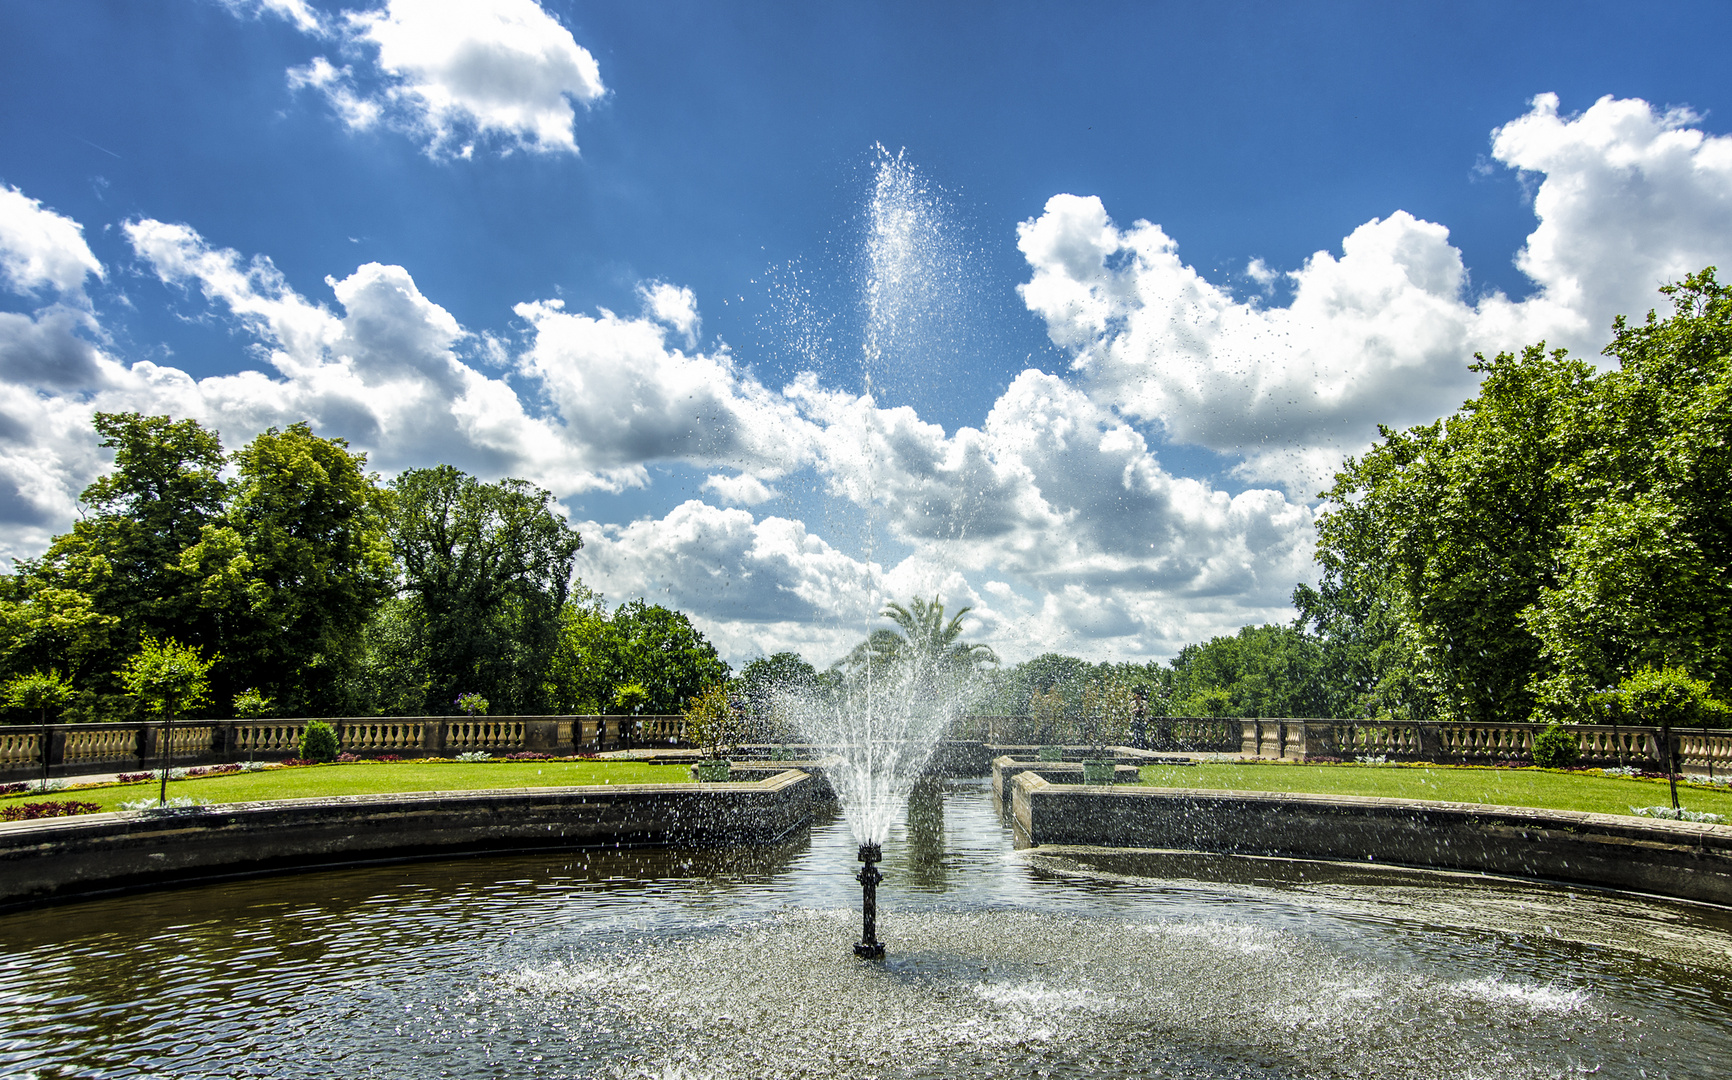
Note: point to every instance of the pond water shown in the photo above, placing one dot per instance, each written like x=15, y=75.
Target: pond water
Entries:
x=667, y=963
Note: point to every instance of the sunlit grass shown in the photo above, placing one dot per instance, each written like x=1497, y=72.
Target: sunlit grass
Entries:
x=366, y=778
x=1497, y=787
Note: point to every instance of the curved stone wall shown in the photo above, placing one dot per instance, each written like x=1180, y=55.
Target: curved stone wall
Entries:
x=92, y=854
x=1669, y=858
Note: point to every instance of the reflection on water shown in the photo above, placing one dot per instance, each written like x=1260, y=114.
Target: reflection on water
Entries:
x=737, y=963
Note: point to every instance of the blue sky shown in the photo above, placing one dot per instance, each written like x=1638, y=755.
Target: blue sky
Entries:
x=1106, y=437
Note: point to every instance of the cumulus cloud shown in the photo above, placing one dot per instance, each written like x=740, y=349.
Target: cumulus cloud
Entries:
x=1091, y=543
x=458, y=72
x=1631, y=198
x=673, y=306
x=633, y=399
x=42, y=249
x=742, y=490
x=297, y=12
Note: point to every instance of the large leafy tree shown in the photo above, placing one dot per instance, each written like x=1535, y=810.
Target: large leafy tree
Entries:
x=293, y=569
x=487, y=568
x=1260, y=671
x=1644, y=567
x=1561, y=531
x=639, y=645
x=114, y=577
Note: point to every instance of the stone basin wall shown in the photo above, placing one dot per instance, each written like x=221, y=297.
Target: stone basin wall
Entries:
x=94, y=854
x=1669, y=858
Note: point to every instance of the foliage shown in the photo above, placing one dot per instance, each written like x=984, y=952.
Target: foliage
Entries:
x=1104, y=715
x=1556, y=747
x=1564, y=529
x=630, y=699
x=293, y=568
x=252, y=705
x=47, y=809
x=1046, y=709
x=1664, y=695
x=712, y=721
x=1642, y=565
x=488, y=570
x=471, y=704
x=166, y=677
x=765, y=683
x=922, y=640
x=112, y=578
x=318, y=742
x=638, y=644
x=38, y=691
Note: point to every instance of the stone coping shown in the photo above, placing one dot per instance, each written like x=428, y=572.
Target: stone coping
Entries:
x=1059, y=772
x=55, y=859
x=1679, y=859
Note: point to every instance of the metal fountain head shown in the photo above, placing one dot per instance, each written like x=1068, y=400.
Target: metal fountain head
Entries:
x=870, y=948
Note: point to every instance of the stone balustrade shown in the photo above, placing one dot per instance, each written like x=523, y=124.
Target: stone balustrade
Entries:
x=75, y=749
x=1701, y=752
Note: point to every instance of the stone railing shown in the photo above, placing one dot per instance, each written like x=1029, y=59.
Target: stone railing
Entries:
x=1193, y=733
x=75, y=749
x=1701, y=751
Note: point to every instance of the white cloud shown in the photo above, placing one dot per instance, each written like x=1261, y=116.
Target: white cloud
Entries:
x=632, y=399
x=674, y=306
x=295, y=11
x=1085, y=541
x=1631, y=198
x=456, y=72
x=742, y=490
x=42, y=249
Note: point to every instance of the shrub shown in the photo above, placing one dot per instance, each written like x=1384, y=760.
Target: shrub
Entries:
x=474, y=755
x=14, y=789
x=1667, y=812
x=318, y=741
x=33, y=811
x=1556, y=747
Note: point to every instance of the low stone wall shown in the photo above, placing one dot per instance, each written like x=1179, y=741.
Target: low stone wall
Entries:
x=77, y=857
x=1125, y=771
x=1669, y=858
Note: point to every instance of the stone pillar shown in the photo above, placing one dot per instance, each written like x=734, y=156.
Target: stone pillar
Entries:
x=1269, y=739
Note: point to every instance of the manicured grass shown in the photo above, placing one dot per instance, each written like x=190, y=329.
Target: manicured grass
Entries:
x=1498, y=787
x=364, y=778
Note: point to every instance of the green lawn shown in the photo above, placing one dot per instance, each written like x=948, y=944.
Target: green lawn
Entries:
x=1498, y=787
x=364, y=778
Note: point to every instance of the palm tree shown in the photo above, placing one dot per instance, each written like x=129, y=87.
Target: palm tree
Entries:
x=923, y=640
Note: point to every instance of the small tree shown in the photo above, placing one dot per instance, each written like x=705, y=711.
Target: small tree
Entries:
x=40, y=691
x=1104, y=716
x=1668, y=696
x=712, y=721
x=166, y=678
x=252, y=705
x=1046, y=710
x=471, y=704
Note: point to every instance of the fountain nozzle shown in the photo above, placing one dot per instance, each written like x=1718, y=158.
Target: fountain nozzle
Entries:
x=870, y=948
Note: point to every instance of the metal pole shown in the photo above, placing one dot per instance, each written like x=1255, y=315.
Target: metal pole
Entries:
x=162, y=757
x=1671, y=759
x=870, y=948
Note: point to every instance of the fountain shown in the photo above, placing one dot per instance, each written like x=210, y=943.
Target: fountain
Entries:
x=677, y=963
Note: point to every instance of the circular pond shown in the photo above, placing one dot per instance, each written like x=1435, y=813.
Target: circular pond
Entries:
x=669, y=963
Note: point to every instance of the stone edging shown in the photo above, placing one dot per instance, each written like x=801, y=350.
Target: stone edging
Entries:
x=92, y=854
x=1669, y=858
